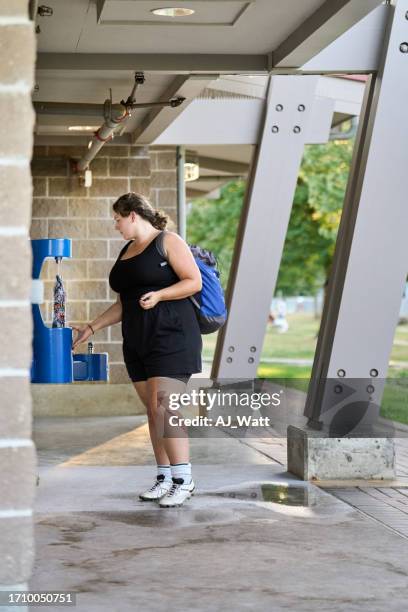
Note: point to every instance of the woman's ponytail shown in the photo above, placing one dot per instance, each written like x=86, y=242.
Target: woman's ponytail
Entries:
x=160, y=220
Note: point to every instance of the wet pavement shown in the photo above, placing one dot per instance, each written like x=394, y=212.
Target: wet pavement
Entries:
x=252, y=538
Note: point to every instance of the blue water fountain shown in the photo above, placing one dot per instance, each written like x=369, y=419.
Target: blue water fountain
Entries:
x=53, y=359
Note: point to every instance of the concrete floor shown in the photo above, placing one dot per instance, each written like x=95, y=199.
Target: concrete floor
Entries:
x=226, y=549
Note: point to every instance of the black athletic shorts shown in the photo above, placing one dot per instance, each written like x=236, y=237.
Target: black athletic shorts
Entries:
x=139, y=372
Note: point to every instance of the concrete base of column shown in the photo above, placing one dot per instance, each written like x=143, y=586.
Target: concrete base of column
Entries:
x=314, y=456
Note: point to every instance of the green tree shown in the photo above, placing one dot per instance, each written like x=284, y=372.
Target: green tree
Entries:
x=313, y=224
x=303, y=260
x=213, y=224
x=326, y=170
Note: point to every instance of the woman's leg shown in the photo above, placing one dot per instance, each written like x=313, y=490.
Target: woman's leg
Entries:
x=157, y=442
x=174, y=439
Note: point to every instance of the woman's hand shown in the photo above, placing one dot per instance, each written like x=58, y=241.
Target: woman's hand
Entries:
x=83, y=334
x=150, y=299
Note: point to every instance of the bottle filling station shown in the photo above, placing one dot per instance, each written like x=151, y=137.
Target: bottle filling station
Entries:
x=53, y=359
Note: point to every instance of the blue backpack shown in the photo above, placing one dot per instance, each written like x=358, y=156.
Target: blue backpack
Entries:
x=209, y=302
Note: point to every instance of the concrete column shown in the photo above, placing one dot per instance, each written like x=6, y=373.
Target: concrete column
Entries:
x=17, y=454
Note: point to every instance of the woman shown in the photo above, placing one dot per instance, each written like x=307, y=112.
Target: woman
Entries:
x=161, y=337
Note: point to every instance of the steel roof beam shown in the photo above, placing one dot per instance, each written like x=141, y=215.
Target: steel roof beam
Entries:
x=156, y=62
x=323, y=27
x=158, y=119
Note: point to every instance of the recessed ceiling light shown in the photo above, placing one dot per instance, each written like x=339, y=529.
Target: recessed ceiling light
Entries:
x=82, y=128
x=173, y=12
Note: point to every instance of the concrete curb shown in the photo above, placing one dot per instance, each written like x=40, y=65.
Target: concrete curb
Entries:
x=85, y=400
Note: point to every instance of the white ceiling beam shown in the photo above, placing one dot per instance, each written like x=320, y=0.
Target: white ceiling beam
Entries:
x=158, y=119
x=347, y=94
x=323, y=27
x=222, y=165
x=236, y=122
x=154, y=62
x=216, y=122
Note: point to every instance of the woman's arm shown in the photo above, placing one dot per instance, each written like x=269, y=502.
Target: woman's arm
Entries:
x=182, y=261
x=111, y=316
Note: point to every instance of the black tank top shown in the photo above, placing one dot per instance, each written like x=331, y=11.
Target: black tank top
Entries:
x=148, y=271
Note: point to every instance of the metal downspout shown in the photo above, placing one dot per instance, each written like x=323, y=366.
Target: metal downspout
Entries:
x=181, y=192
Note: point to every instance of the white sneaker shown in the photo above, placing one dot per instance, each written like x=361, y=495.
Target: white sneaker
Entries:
x=178, y=494
x=160, y=488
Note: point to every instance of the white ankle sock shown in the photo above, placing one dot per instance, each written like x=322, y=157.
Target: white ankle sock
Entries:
x=181, y=470
x=165, y=470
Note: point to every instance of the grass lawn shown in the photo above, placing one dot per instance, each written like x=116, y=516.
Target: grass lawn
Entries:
x=395, y=399
x=299, y=342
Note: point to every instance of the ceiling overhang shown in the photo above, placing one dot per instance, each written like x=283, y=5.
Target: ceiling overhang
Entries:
x=86, y=48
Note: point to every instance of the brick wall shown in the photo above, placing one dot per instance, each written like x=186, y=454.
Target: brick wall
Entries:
x=17, y=455
x=63, y=208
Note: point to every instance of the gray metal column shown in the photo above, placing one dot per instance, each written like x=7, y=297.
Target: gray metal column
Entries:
x=264, y=223
x=181, y=192
x=371, y=258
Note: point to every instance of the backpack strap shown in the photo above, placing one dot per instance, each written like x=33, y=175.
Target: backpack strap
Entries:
x=160, y=244
x=162, y=252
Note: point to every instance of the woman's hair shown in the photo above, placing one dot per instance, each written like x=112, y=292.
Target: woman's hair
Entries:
x=135, y=202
